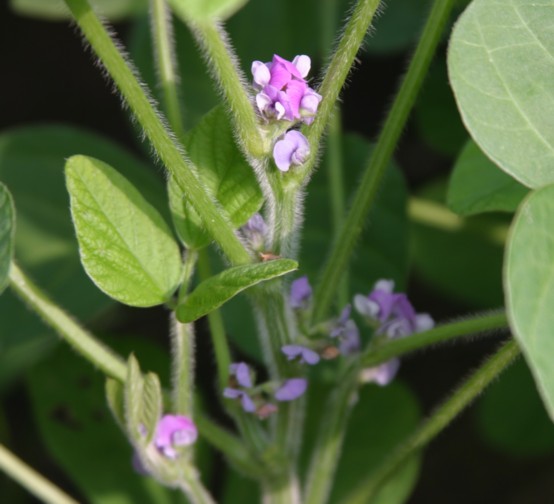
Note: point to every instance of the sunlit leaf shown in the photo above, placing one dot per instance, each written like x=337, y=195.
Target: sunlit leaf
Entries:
x=7, y=231
x=202, y=10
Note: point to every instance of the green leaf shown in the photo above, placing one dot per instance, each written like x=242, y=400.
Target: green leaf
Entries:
x=125, y=245
x=512, y=418
x=56, y=10
x=225, y=173
x=202, y=10
x=500, y=65
x=31, y=164
x=7, y=232
x=77, y=429
x=215, y=291
x=115, y=396
x=477, y=185
x=529, y=286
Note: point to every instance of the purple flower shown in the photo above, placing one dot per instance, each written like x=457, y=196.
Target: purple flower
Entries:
x=340, y=324
x=292, y=150
x=255, y=231
x=241, y=372
x=291, y=389
x=300, y=293
x=245, y=400
x=349, y=339
x=283, y=92
x=382, y=374
x=172, y=432
x=304, y=354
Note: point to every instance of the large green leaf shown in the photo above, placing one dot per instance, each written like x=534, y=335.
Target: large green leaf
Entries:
x=225, y=173
x=7, y=230
x=31, y=165
x=202, y=10
x=215, y=291
x=80, y=434
x=500, y=65
x=125, y=245
x=477, y=185
x=511, y=416
x=56, y=10
x=529, y=285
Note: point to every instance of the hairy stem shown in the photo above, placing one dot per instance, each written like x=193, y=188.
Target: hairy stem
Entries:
x=215, y=219
x=193, y=488
x=81, y=340
x=364, y=198
x=441, y=418
x=395, y=348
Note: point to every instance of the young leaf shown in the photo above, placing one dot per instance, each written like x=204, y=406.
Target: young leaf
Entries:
x=477, y=185
x=125, y=245
x=215, y=291
x=151, y=404
x=134, y=386
x=500, y=65
x=7, y=230
x=203, y=10
x=225, y=173
x=115, y=396
x=529, y=285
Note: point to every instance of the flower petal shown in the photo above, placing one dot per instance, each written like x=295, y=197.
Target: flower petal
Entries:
x=261, y=73
x=292, y=389
x=303, y=63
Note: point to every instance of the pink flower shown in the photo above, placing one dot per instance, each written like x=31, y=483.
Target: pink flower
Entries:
x=292, y=150
x=172, y=432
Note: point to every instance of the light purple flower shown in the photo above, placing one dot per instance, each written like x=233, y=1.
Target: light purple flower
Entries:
x=283, y=92
x=241, y=372
x=300, y=293
x=349, y=339
x=172, y=432
x=340, y=324
x=255, y=231
x=382, y=374
x=291, y=389
x=245, y=400
x=304, y=354
x=292, y=150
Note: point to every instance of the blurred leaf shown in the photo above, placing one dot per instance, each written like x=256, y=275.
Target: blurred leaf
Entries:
x=461, y=258
x=56, y=10
x=225, y=173
x=237, y=489
x=529, y=284
x=477, y=185
x=202, y=10
x=7, y=235
x=31, y=165
x=218, y=289
x=512, y=418
x=125, y=245
x=79, y=433
x=500, y=65
x=382, y=417
x=436, y=114
x=115, y=396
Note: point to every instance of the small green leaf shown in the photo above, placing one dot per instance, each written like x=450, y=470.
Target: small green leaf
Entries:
x=125, y=245
x=225, y=173
x=115, y=396
x=477, y=185
x=134, y=386
x=215, y=291
x=7, y=235
x=202, y=10
x=151, y=404
x=529, y=286
x=56, y=10
x=500, y=66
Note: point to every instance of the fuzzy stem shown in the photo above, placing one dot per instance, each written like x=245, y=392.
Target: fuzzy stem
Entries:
x=367, y=190
x=162, y=38
x=395, y=348
x=31, y=480
x=441, y=418
x=226, y=70
x=215, y=220
x=193, y=488
x=217, y=328
x=81, y=340
x=326, y=454
x=335, y=76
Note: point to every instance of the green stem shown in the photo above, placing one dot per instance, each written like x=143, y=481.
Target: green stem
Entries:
x=326, y=454
x=225, y=67
x=441, y=418
x=31, y=480
x=170, y=152
x=193, y=488
x=396, y=348
x=284, y=490
x=80, y=339
x=162, y=38
x=344, y=246
x=335, y=77
x=217, y=328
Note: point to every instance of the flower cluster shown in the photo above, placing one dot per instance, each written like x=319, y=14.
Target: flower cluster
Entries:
x=254, y=399
x=174, y=432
